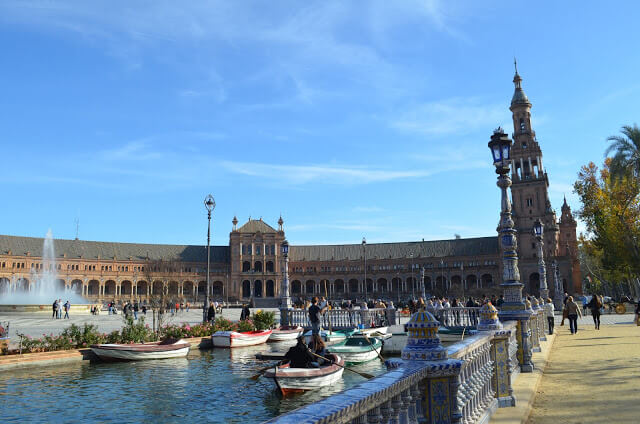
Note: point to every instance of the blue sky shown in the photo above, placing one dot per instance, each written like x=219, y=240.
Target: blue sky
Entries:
x=350, y=119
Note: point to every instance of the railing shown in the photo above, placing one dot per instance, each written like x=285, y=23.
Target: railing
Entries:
x=457, y=317
x=340, y=318
x=466, y=388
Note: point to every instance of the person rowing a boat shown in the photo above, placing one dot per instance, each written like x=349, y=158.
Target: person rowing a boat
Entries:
x=318, y=347
x=299, y=355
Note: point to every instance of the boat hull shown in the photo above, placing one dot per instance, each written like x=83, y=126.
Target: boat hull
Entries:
x=364, y=351
x=235, y=339
x=369, y=331
x=298, y=380
x=285, y=335
x=140, y=352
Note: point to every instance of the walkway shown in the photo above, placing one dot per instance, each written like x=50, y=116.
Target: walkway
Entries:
x=591, y=377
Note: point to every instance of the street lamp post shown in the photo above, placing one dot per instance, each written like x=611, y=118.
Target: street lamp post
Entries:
x=514, y=307
x=538, y=233
x=286, y=298
x=210, y=204
x=413, y=283
x=364, y=256
x=423, y=290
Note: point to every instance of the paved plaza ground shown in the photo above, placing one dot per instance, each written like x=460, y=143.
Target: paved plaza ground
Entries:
x=592, y=376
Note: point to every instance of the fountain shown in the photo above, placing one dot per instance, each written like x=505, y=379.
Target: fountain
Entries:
x=19, y=296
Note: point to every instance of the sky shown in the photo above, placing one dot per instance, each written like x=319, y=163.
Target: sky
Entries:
x=350, y=119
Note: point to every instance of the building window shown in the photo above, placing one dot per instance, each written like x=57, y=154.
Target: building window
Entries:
x=523, y=126
x=529, y=202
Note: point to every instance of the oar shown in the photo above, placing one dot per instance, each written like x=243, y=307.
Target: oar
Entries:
x=361, y=374
x=373, y=347
x=262, y=370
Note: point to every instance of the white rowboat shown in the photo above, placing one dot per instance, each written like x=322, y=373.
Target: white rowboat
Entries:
x=142, y=351
x=357, y=349
x=297, y=380
x=284, y=333
x=236, y=339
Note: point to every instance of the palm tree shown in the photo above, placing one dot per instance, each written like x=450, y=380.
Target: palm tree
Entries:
x=626, y=160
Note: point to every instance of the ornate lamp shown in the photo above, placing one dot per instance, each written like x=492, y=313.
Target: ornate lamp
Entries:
x=209, y=204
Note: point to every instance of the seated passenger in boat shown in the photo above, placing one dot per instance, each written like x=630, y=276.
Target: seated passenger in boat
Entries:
x=318, y=347
x=299, y=355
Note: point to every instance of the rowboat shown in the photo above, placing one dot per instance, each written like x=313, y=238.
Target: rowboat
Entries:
x=357, y=349
x=369, y=331
x=297, y=380
x=139, y=351
x=286, y=332
x=330, y=337
x=236, y=339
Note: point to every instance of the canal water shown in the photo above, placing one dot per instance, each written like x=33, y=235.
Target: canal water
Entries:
x=207, y=386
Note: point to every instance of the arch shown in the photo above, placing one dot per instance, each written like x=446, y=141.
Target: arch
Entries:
x=22, y=284
x=76, y=287
x=296, y=287
x=534, y=284
x=5, y=285
x=202, y=289
x=187, y=288
x=456, y=280
x=60, y=284
x=217, y=289
x=354, y=286
x=157, y=288
x=257, y=266
x=427, y=284
x=472, y=280
x=269, y=266
x=125, y=288
x=110, y=288
x=441, y=282
x=486, y=280
x=246, y=289
x=271, y=289
x=310, y=287
x=338, y=286
x=173, y=288
x=382, y=285
x=93, y=288
x=142, y=288
x=369, y=285
x=257, y=288
x=523, y=125
x=246, y=266
x=396, y=283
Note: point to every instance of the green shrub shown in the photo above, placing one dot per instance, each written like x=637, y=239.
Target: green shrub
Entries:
x=264, y=320
x=246, y=325
x=135, y=332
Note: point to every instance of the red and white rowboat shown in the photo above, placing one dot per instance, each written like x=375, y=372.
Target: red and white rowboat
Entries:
x=297, y=380
x=140, y=351
x=286, y=332
x=235, y=339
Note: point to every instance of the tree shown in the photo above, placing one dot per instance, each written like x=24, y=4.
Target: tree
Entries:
x=611, y=211
x=626, y=148
x=155, y=269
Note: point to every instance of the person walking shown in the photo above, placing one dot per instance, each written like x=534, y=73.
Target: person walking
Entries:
x=246, y=312
x=315, y=313
x=211, y=313
x=136, y=308
x=67, y=306
x=564, y=309
x=595, y=304
x=548, y=311
x=59, y=309
x=573, y=311
x=54, y=307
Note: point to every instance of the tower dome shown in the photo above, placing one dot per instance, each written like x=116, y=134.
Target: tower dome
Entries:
x=519, y=96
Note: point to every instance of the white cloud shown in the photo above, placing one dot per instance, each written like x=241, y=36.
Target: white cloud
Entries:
x=134, y=150
x=449, y=117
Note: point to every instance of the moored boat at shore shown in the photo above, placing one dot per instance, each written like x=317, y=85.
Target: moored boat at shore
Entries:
x=357, y=349
x=286, y=332
x=236, y=339
x=330, y=337
x=142, y=351
x=297, y=380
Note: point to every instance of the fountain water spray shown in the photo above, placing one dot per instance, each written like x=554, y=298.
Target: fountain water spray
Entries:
x=45, y=286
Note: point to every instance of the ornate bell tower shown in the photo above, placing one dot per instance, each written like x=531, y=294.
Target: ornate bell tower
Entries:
x=529, y=191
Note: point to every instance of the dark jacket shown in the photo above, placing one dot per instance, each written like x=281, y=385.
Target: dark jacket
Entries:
x=299, y=356
x=595, y=305
x=246, y=313
x=211, y=313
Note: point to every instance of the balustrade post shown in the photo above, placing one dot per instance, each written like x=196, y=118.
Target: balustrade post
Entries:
x=535, y=333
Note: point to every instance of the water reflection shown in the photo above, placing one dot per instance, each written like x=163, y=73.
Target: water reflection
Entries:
x=207, y=385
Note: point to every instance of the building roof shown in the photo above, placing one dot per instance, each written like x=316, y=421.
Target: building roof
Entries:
x=256, y=225
x=420, y=249
x=76, y=249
